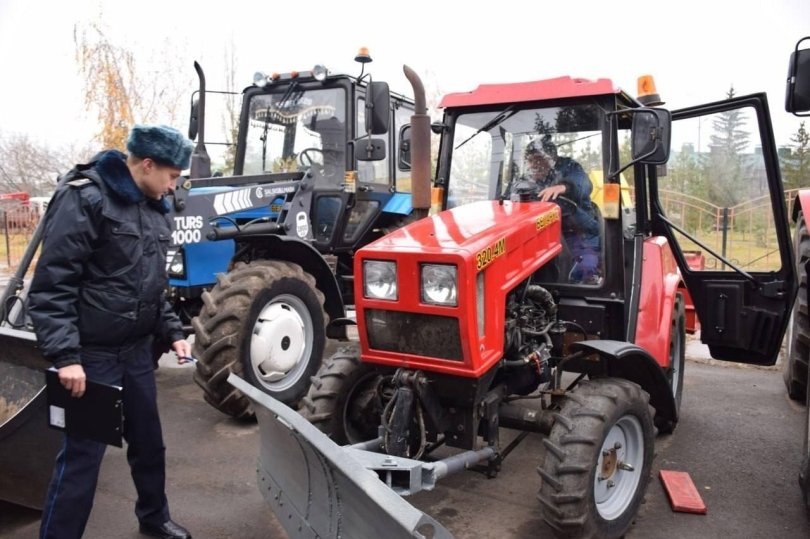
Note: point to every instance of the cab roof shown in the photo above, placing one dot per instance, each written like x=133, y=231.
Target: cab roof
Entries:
x=541, y=90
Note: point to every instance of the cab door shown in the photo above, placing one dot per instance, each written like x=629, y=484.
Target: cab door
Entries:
x=720, y=202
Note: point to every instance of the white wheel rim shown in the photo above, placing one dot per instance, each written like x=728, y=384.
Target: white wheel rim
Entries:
x=619, y=467
x=281, y=342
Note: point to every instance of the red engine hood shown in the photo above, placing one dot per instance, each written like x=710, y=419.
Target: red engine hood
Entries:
x=494, y=247
x=467, y=228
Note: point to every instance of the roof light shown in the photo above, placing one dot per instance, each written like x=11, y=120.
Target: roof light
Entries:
x=363, y=56
x=647, y=95
x=259, y=79
x=319, y=72
x=294, y=74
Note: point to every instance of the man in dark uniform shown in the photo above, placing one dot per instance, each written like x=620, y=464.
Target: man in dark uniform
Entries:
x=97, y=303
x=562, y=180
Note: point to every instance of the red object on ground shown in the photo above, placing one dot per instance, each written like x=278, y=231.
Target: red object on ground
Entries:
x=683, y=495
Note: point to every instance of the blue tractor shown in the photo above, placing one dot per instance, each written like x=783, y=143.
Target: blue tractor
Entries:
x=260, y=262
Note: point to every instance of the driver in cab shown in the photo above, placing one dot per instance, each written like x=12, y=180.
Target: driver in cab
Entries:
x=563, y=180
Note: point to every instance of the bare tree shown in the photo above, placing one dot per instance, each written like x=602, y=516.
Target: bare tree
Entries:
x=230, y=122
x=122, y=91
x=32, y=167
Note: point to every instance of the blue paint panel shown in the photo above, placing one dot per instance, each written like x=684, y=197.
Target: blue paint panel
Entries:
x=253, y=213
x=204, y=261
x=400, y=203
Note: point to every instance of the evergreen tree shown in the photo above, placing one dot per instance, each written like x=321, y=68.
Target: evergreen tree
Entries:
x=725, y=169
x=796, y=160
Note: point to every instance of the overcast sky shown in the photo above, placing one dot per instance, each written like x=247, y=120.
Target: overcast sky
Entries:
x=695, y=49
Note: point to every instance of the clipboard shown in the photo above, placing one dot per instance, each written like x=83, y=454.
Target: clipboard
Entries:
x=97, y=415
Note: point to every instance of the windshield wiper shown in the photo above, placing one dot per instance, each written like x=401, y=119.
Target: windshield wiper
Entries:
x=506, y=113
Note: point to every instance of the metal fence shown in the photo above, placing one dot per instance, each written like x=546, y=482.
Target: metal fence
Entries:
x=18, y=223
x=743, y=234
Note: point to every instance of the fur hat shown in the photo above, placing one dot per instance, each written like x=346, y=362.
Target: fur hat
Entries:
x=542, y=146
x=161, y=143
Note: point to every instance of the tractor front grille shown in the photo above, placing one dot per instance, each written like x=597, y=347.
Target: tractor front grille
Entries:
x=415, y=334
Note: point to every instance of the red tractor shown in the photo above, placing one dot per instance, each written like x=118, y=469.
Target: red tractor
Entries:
x=797, y=374
x=524, y=306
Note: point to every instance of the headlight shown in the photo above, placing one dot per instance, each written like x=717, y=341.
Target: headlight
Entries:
x=177, y=264
x=439, y=284
x=380, y=279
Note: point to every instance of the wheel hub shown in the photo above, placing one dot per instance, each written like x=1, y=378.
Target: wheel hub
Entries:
x=609, y=462
x=617, y=475
x=278, y=343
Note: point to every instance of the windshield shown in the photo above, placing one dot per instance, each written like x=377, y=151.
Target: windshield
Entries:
x=492, y=150
x=291, y=128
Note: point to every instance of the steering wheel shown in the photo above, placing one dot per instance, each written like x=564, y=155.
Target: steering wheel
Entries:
x=306, y=157
x=567, y=206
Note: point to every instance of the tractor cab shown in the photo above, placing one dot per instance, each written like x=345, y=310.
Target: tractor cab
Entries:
x=330, y=130
x=306, y=159
x=626, y=197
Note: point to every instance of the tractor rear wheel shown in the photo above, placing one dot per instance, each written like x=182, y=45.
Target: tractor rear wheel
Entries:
x=347, y=397
x=598, y=459
x=804, y=471
x=677, y=360
x=265, y=322
x=798, y=336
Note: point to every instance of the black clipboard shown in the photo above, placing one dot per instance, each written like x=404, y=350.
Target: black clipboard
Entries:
x=97, y=415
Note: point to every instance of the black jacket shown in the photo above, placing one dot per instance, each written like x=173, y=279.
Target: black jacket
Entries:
x=101, y=275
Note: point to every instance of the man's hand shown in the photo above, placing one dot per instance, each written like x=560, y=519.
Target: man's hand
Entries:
x=183, y=350
x=74, y=379
x=552, y=192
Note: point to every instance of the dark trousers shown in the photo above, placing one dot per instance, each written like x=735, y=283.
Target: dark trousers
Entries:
x=73, y=486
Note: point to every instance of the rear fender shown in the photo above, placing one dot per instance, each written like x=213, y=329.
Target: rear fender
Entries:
x=659, y=283
x=617, y=359
x=290, y=249
x=801, y=204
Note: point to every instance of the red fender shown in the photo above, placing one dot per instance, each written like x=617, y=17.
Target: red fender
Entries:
x=802, y=203
x=659, y=283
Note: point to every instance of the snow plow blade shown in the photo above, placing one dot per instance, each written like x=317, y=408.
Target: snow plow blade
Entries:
x=317, y=489
x=27, y=445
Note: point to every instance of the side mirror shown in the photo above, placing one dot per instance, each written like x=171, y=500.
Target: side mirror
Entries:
x=194, y=120
x=797, y=95
x=404, y=156
x=378, y=107
x=650, y=136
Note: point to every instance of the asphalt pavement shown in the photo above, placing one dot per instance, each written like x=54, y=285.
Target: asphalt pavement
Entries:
x=739, y=439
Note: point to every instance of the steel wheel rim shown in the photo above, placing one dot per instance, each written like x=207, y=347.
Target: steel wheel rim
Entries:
x=614, y=491
x=281, y=342
x=675, y=354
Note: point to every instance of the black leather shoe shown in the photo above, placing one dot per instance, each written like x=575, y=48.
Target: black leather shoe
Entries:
x=168, y=530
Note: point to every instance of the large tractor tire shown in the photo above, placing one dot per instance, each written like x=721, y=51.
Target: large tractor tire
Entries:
x=263, y=321
x=347, y=397
x=804, y=471
x=677, y=361
x=598, y=459
x=798, y=335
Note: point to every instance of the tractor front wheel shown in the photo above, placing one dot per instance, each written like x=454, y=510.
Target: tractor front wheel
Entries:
x=265, y=322
x=347, y=397
x=598, y=459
